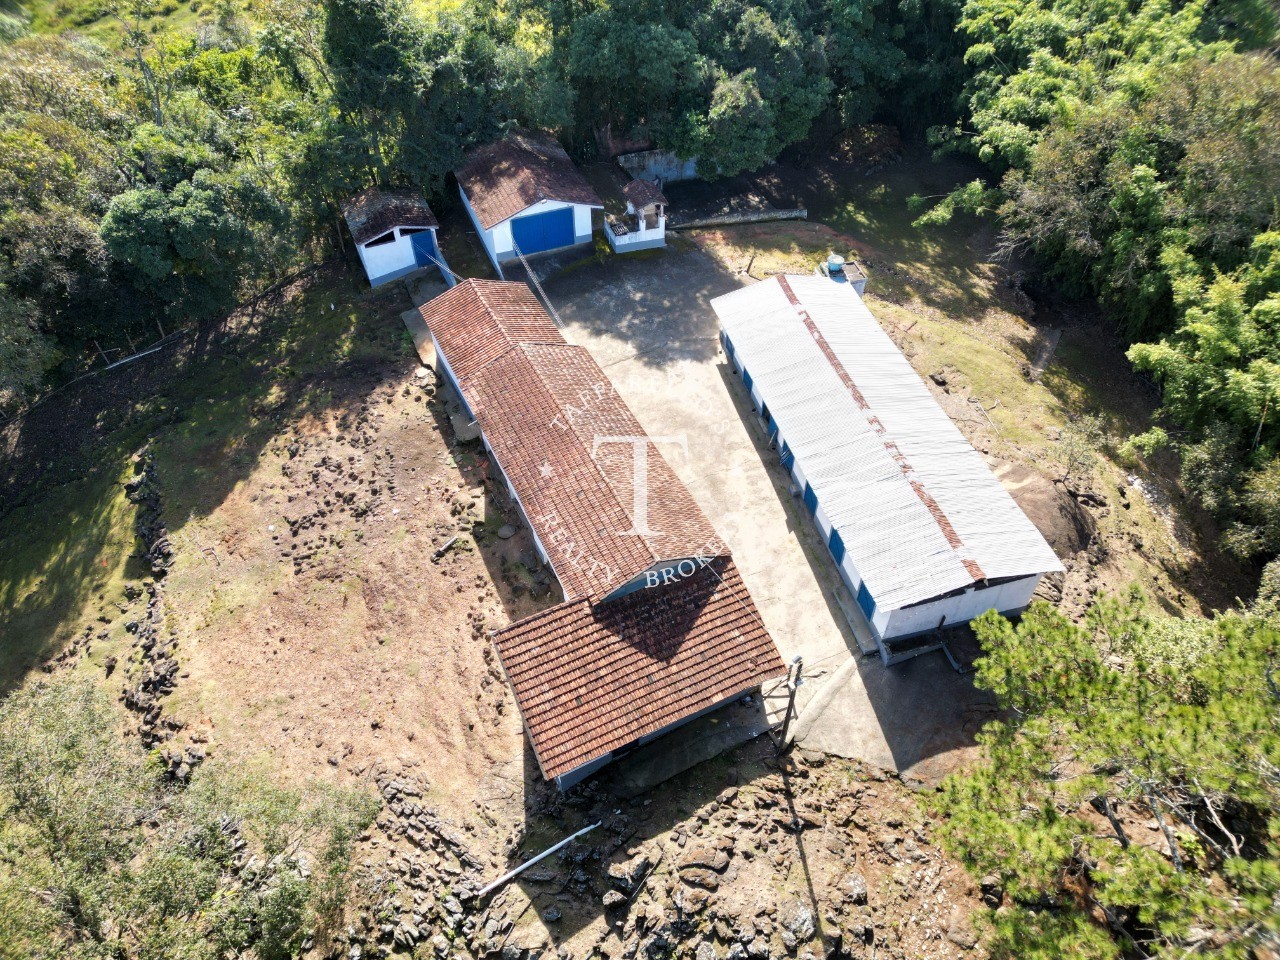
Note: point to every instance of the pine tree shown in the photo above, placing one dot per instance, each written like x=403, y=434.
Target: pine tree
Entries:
x=1128, y=800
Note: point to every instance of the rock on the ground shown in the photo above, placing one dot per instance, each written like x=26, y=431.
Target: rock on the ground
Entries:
x=706, y=855
x=626, y=876
x=960, y=932
x=855, y=888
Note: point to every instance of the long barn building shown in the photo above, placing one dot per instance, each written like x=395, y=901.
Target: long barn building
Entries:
x=657, y=627
x=921, y=532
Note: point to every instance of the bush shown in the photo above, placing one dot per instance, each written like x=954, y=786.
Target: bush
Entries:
x=110, y=852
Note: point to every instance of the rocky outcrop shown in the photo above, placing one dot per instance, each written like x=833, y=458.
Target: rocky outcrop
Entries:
x=152, y=670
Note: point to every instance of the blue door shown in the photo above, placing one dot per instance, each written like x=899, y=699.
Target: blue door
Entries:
x=543, y=231
x=424, y=248
x=810, y=498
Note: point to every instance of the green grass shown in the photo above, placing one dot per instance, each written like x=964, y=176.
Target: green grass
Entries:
x=91, y=18
x=943, y=266
x=64, y=557
x=65, y=550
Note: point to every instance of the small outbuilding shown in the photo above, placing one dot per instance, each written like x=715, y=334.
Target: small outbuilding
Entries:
x=645, y=225
x=395, y=234
x=524, y=194
x=920, y=530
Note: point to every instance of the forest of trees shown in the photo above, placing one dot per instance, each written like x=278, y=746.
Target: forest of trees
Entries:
x=1128, y=798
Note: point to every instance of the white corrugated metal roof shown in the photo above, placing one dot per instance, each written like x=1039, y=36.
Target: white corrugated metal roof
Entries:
x=918, y=510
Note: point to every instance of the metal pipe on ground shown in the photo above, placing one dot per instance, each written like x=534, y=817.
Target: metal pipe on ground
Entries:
x=745, y=216
x=511, y=875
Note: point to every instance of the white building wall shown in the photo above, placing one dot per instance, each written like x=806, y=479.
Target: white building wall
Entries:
x=486, y=237
x=636, y=239
x=798, y=475
x=851, y=575
x=386, y=261
x=386, y=258
x=581, y=223
x=1009, y=597
x=497, y=241
x=500, y=239
x=823, y=524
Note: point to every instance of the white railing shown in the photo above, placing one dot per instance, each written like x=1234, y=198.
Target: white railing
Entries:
x=629, y=233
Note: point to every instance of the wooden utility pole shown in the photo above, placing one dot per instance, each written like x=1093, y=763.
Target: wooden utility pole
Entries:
x=794, y=672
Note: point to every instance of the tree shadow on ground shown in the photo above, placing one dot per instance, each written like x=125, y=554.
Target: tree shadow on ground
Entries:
x=57, y=554
x=949, y=267
x=207, y=406
x=657, y=304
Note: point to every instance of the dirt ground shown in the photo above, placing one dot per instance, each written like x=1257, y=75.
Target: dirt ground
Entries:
x=320, y=628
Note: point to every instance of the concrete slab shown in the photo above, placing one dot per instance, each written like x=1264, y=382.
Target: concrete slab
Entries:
x=422, y=343
x=684, y=748
x=918, y=717
x=649, y=324
x=425, y=283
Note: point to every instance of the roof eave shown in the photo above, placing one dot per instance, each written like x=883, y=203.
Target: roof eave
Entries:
x=572, y=203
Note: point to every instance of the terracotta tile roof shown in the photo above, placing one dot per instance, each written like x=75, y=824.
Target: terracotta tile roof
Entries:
x=643, y=192
x=542, y=404
x=590, y=679
x=545, y=410
x=503, y=178
x=374, y=212
x=479, y=320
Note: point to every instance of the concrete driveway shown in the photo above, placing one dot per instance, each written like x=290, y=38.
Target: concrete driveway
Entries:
x=648, y=322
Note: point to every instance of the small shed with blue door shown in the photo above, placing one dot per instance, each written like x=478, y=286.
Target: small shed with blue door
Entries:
x=920, y=530
x=525, y=196
x=395, y=234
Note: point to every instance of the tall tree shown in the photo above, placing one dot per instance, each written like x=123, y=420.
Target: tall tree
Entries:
x=634, y=69
x=1126, y=721
x=190, y=250
x=408, y=94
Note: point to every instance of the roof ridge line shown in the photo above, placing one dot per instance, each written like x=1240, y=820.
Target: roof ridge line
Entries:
x=949, y=532
x=613, y=494
x=474, y=284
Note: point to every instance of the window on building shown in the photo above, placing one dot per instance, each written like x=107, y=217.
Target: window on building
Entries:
x=410, y=231
x=866, y=602
x=837, y=546
x=389, y=237
x=786, y=456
